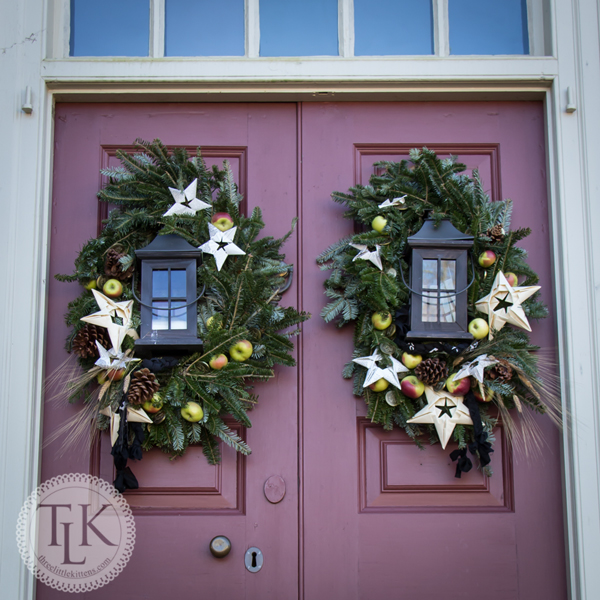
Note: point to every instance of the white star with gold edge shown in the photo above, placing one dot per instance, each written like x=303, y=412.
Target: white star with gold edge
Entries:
x=134, y=415
x=503, y=304
x=365, y=254
x=399, y=202
x=186, y=202
x=104, y=318
x=475, y=367
x=375, y=373
x=221, y=244
x=445, y=411
x=109, y=359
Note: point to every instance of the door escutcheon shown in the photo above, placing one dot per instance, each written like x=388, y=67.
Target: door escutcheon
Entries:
x=253, y=560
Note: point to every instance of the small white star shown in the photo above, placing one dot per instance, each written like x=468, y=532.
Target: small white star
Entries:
x=476, y=367
x=186, y=202
x=375, y=373
x=221, y=244
x=366, y=254
x=445, y=411
x=503, y=304
x=109, y=359
x=395, y=202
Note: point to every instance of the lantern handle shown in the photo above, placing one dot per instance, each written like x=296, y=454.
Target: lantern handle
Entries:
x=286, y=286
x=170, y=308
x=440, y=292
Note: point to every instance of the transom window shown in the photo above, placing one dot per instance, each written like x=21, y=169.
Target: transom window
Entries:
x=285, y=28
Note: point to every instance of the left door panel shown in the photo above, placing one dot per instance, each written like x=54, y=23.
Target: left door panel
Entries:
x=181, y=505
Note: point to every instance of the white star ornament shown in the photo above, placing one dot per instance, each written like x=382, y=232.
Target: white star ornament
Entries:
x=503, y=304
x=445, y=411
x=475, y=367
x=186, y=202
x=221, y=244
x=109, y=359
x=399, y=202
x=365, y=254
x=375, y=373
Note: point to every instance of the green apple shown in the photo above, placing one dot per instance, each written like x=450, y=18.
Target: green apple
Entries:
x=91, y=285
x=411, y=387
x=512, y=279
x=458, y=387
x=241, y=351
x=379, y=385
x=192, y=412
x=101, y=378
x=113, y=288
x=378, y=223
x=211, y=322
x=381, y=320
x=411, y=360
x=487, y=258
x=479, y=328
x=218, y=361
x=154, y=405
x=222, y=221
x=489, y=394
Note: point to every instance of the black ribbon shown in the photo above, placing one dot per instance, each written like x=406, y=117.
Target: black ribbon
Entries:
x=156, y=365
x=479, y=445
x=122, y=451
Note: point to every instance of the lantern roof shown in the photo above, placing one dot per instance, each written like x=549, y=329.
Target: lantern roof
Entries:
x=169, y=245
x=440, y=234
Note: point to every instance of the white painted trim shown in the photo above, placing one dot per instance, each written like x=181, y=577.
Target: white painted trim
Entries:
x=252, y=20
x=346, y=28
x=441, y=28
x=157, y=29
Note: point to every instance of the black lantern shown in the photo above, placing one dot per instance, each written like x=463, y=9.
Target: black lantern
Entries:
x=169, y=297
x=438, y=282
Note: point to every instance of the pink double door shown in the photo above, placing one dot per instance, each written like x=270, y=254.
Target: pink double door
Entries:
x=365, y=515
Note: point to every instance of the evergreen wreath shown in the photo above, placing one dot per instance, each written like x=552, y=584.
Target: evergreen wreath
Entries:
x=241, y=302
x=391, y=208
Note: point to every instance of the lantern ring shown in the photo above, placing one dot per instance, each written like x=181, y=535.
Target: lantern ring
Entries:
x=169, y=309
x=440, y=292
x=286, y=286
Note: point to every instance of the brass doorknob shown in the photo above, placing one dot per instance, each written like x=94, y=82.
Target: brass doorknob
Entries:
x=220, y=546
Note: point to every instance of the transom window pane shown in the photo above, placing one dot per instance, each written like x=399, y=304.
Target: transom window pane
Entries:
x=204, y=28
x=488, y=27
x=293, y=28
x=110, y=28
x=389, y=27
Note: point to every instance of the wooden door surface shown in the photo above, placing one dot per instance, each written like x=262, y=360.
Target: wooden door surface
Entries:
x=366, y=514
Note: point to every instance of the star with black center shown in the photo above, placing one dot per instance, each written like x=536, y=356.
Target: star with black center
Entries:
x=445, y=410
x=503, y=303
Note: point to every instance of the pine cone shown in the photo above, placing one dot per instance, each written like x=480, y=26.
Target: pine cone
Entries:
x=84, y=342
x=113, y=268
x=142, y=387
x=431, y=371
x=496, y=233
x=500, y=372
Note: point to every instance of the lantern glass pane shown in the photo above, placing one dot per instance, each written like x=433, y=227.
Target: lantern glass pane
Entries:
x=178, y=287
x=160, y=284
x=448, y=275
x=160, y=318
x=429, y=306
x=179, y=316
x=430, y=274
x=448, y=309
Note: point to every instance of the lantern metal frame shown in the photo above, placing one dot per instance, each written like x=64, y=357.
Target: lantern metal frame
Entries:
x=168, y=252
x=438, y=242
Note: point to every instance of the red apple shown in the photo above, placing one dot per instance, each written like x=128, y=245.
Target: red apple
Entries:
x=411, y=387
x=379, y=385
x=458, y=387
x=512, y=279
x=381, y=320
x=113, y=288
x=218, y=361
x=116, y=374
x=487, y=258
x=411, y=360
x=154, y=405
x=479, y=328
x=489, y=394
x=222, y=221
x=241, y=351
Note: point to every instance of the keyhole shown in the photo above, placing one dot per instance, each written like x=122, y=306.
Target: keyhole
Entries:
x=254, y=560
